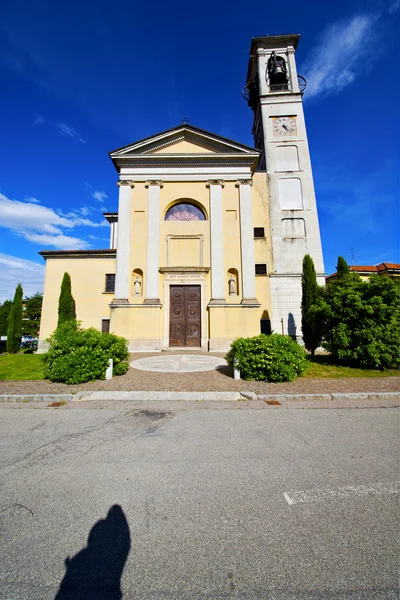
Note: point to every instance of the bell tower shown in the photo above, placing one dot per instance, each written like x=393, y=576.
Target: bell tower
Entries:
x=274, y=92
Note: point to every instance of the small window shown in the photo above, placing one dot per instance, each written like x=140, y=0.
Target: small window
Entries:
x=105, y=326
x=259, y=232
x=261, y=269
x=110, y=283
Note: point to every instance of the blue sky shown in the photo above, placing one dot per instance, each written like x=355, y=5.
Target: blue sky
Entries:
x=82, y=78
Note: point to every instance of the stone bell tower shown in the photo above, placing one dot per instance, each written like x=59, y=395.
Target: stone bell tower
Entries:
x=274, y=92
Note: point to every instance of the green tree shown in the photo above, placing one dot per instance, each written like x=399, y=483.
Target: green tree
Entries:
x=362, y=321
x=32, y=314
x=14, y=330
x=310, y=323
x=66, y=302
x=5, y=309
x=342, y=268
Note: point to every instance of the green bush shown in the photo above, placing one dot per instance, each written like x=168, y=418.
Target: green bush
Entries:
x=268, y=358
x=361, y=321
x=78, y=355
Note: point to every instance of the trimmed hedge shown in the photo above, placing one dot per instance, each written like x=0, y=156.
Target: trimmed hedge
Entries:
x=78, y=355
x=272, y=358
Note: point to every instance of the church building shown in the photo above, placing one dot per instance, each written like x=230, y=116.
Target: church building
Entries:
x=209, y=238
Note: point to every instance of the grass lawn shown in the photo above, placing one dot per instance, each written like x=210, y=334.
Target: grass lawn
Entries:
x=20, y=366
x=321, y=366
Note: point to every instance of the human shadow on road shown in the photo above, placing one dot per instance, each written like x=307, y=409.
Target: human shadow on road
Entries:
x=95, y=572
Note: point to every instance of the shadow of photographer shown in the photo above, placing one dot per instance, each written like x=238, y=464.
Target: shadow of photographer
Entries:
x=95, y=572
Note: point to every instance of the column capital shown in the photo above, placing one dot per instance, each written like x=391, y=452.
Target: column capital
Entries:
x=154, y=182
x=130, y=183
x=240, y=182
x=211, y=182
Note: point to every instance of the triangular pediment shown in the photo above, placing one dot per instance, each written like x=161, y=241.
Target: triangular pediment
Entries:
x=184, y=140
x=182, y=146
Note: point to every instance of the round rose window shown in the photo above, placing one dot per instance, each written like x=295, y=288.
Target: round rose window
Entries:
x=184, y=212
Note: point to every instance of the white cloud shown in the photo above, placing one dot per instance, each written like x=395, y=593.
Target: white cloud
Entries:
x=345, y=52
x=99, y=195
x=88, y=222
x=69, y=131
x=38, y=119
x=394, y=7
x=94, y=237
x=61, y=241
x=44, y=226
x=18, y=270
x=18, y=216
x=32, y=200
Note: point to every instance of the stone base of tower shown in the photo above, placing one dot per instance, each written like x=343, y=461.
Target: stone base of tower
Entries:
x=286, y=294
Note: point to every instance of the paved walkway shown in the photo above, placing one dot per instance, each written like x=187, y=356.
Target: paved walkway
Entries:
x=177, y=363
x=217, y=380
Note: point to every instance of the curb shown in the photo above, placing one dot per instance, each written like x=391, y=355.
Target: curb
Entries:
x=196, y=397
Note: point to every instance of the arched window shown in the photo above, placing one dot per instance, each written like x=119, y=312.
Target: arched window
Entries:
x=185, y=211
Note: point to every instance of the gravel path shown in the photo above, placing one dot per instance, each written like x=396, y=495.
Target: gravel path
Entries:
x=211, y=381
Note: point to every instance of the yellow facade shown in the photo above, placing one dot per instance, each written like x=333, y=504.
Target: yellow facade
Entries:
x=88, y=289
x=185, y=255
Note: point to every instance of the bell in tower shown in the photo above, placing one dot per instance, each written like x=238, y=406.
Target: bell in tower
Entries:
x=277, y=72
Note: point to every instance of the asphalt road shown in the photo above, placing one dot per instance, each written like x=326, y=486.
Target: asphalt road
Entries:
x=198, y=503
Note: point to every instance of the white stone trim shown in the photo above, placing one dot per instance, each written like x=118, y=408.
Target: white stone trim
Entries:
x=185, y=279
x=220, y=344
x=153, y=240
x=185, y=173
x=247, y=242
x=123, y=244
x=144, y=345
x=217, y=243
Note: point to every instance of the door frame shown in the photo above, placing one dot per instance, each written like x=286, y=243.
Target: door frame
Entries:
x=183, y=278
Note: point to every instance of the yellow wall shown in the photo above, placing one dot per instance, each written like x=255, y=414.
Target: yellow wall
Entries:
x=184, y=147
x=233, y=322
x=147, y=323
x=88, y=285
x=139, y=323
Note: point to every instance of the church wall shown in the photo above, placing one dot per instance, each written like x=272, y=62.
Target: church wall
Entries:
x=141, y=326
x=228, y=323
x=231, y=245
x=88, y=289
x=262, y=246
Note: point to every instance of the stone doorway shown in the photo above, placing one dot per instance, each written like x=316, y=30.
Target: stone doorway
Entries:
x=185, y=316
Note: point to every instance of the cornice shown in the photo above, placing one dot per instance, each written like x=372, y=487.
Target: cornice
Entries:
x=105, y=253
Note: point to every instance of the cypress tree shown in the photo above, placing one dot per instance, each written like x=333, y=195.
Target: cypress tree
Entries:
x=312, y=333
x=66, y=302
x=342, y=268
x=14, y=329
x=5, y=309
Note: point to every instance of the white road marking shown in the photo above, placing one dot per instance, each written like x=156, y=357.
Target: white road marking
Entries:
x=376, y=489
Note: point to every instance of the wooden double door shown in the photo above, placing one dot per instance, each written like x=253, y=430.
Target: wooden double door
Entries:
x=185, y=315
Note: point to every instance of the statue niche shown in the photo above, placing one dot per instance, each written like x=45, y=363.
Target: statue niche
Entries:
x=137, y=282
x=233, y=280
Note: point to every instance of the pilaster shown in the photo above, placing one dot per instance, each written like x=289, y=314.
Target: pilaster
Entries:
x=217, y=248
x=247, y=242
x=153, y=241
x=121, y=291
